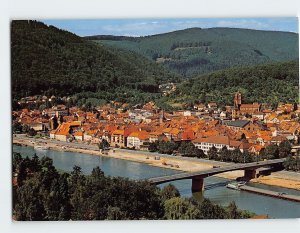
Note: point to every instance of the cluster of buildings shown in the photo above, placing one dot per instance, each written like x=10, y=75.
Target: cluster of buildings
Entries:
x=247, y=127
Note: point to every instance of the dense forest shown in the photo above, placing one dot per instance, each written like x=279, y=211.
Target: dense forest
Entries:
x=50, y=61
x=196, y=51
x=271, y=83
x=41, y=193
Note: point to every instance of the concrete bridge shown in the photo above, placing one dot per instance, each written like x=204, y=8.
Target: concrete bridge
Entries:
x=198, y=177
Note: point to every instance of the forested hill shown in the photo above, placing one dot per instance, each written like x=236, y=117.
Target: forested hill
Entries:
x=47, y=60
x=197, y=51
x=270, y=83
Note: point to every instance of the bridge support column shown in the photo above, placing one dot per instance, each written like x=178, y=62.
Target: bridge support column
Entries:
x=250, y=174
x=197, y=184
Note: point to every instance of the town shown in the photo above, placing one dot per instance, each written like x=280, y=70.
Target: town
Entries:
x=245, y=127
x=190, y=122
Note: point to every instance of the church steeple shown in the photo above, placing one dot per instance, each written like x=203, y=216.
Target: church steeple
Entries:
x=237, y=100
x=162, y=117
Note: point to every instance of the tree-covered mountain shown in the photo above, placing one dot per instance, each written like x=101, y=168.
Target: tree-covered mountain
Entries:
x=197, y=51
x=48, y=61
x=269, y=83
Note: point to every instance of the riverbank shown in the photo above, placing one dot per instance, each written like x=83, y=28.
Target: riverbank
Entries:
x=177, y=163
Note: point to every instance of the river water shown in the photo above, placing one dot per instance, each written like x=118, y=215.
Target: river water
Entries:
x=273, y=207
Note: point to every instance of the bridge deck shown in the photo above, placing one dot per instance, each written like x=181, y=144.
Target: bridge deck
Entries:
x=214, y=171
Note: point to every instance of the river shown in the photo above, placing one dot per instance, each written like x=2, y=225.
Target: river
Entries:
x=273, y=207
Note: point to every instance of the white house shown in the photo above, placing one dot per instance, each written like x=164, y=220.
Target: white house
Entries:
x=219, y=142
x=138, y=140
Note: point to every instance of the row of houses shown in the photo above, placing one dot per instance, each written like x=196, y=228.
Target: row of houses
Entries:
x=242, y=135
x=137, y=128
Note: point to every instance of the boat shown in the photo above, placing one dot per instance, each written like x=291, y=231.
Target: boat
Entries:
x=38, y=147
x=235, y=185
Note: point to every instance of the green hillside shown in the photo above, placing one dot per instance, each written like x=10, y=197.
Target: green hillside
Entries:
x=197, y=51
x=49, y=61
x=271, y=83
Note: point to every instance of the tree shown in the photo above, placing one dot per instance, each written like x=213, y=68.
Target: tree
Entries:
x=29, y=203
x=43, y=194
x=188, y=149
x=232, y=211
x=284, y=149
x=76, y=178
x=16, y=127
x=203, y=98
x=271, y=152
x=248, y=157
x=209, y=210
x=17, y=159
x=168, y=192
x=167, y=147
x=35, y=165
x=200, y=153
x=153, y=146
x=292, y=163
x=104, y=144
x=213, y=153
x=64, y=196
x=22, y=171
x=115, y=213
x=46, y=194
x=179, y=208
x=31, y=132
x=237, y=156
x=224, y=154
x=97, y=174
x=77, y=198
x=25, y=128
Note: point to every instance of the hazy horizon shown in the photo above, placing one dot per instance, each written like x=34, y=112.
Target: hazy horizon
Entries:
x=148, y=27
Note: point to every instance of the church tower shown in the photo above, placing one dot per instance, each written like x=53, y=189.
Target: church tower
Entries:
x=162, y=117
x=237, y=100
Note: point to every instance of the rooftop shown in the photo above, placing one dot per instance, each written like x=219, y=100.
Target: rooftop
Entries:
x=237, y=123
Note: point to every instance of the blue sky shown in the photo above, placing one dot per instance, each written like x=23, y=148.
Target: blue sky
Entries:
x=143, y=27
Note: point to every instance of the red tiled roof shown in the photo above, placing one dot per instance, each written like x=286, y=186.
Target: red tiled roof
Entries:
x=118, y=132
x=142, y=135
x=188, y=135
x=63, y=129
x=214, y=139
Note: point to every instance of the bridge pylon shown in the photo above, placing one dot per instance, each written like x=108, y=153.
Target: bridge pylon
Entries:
x=198, y=184
x=250, y=174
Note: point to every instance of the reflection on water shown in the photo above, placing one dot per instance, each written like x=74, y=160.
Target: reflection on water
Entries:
x=275, y=208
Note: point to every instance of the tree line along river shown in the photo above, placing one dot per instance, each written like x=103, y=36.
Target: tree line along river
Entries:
x=273, y=207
